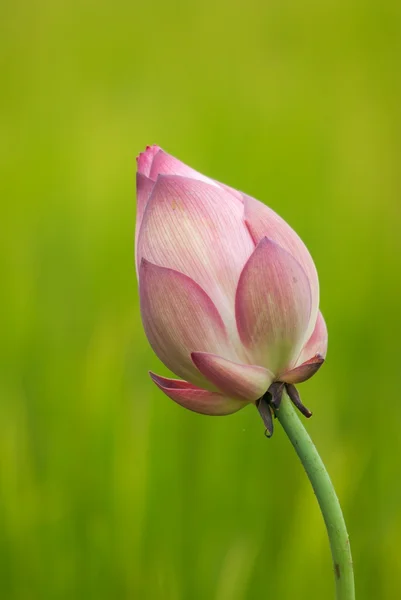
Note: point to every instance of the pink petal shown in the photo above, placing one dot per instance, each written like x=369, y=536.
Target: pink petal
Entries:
x=179, y=318
x=197, y=399
x=248, y=382
x=165, y=164
x=145, y=159
x=273, y=306
x=304, y=371
x=317, y=343
x=264, y=222
x=312, y=355
x=198, y=230
x=144, y=187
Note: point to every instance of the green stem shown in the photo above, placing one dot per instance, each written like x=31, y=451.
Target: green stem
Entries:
x=326, y=496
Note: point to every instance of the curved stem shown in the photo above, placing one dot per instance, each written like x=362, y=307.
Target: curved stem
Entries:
x=326, y=496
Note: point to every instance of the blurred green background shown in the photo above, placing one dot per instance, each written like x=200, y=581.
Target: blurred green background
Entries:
x=107, y=488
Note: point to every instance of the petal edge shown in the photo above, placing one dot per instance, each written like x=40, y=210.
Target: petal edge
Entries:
x=273, y=306
x=248, y=382
x=197, y=399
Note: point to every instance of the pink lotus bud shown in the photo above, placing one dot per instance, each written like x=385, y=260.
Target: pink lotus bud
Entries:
x=229, y=293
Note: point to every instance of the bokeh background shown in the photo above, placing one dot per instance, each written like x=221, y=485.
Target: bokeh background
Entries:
x=107, y=488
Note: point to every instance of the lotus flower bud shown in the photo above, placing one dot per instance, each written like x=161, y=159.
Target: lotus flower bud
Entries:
x=229, y=293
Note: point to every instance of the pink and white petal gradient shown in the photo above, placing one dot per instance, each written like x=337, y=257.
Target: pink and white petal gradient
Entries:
x=312, y=355
x=248, y=382
x=198, y=230
x=262, y=222
x=179, y=318
x=237, y=194
x=273, y=307
x=317, y=343
x=196, y=399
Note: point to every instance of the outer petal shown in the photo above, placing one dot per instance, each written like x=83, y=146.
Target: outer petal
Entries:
x=312, y=355
x=264, y=222
x=198, y=230
x=144, y=187
x=248, y=382
x=197, y=399
x=304, y=371
x=179, y=318
x=145, y=160
x=165, y=164
x=273, y=305
x=317, y=343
